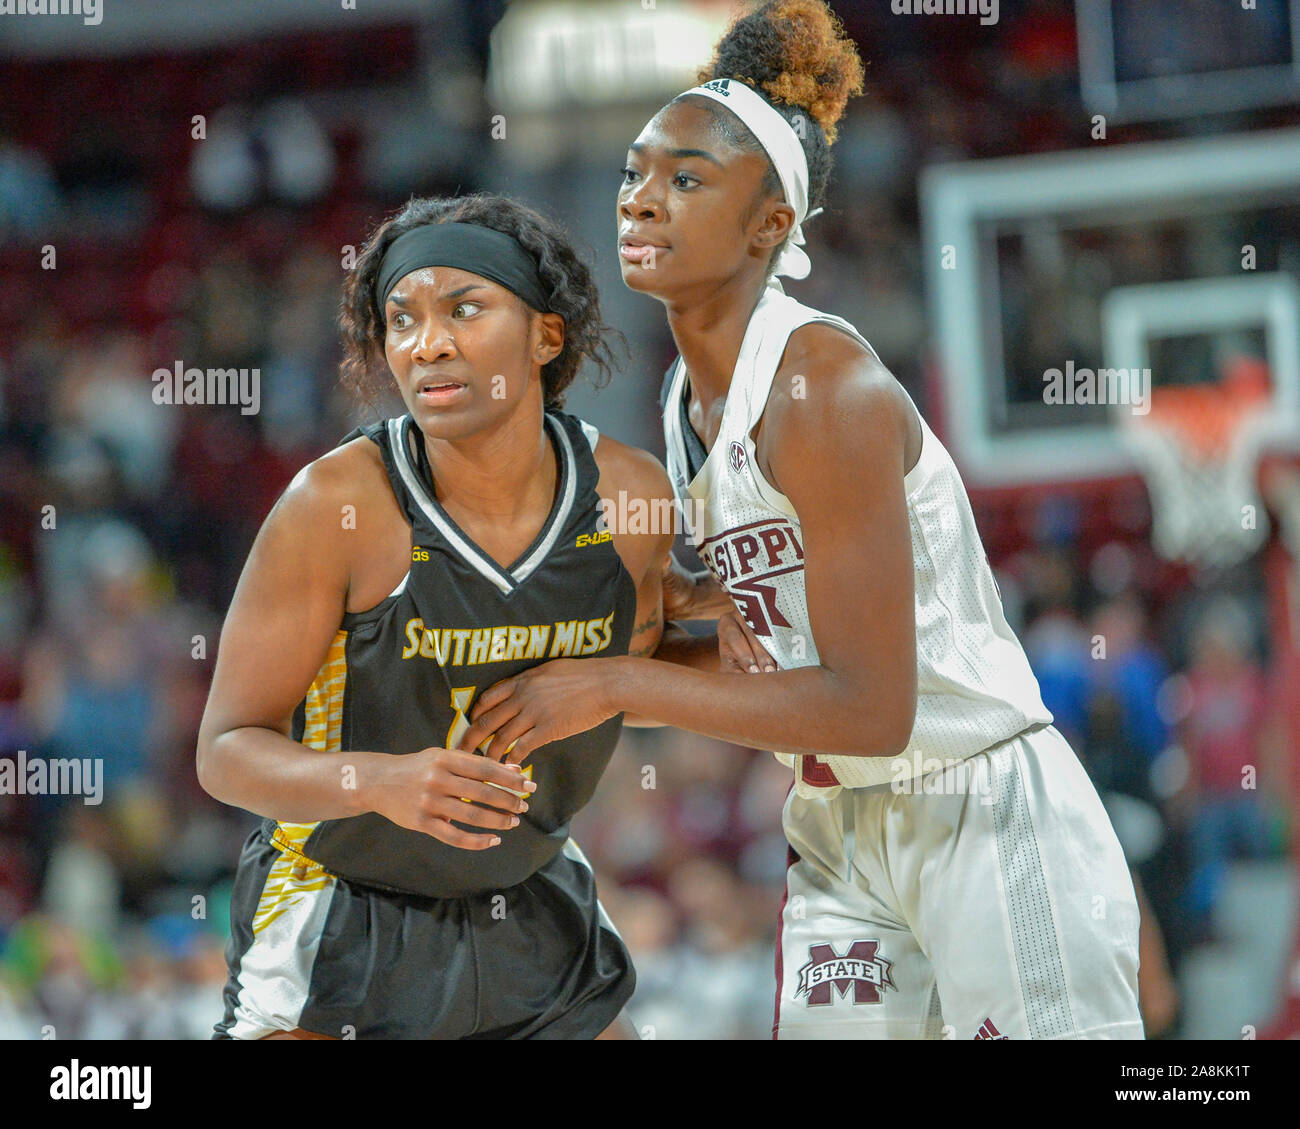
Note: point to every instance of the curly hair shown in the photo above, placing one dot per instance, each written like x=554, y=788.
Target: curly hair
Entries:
x=795, y=55
x=571, y=293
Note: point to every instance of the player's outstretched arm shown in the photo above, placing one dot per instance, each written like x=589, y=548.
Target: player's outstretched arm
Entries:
x=282, y=620
x=861, y=699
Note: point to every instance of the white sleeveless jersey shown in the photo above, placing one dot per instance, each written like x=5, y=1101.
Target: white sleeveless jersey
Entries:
x=974, y=685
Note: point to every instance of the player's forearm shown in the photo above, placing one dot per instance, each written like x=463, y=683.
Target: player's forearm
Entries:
x=806, y=710
x=679, y=647
x=268, y=774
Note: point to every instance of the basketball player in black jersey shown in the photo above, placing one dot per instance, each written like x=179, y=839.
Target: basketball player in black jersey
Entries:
x=397, y=887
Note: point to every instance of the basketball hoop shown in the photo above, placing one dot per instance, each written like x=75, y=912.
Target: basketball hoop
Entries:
x=1198, y=448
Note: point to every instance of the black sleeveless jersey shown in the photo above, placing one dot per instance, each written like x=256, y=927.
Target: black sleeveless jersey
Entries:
x=404, y=675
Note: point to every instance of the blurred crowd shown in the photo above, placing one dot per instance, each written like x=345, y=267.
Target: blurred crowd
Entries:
x=124, y=523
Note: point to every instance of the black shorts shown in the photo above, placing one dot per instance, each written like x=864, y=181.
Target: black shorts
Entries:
x=540, y=960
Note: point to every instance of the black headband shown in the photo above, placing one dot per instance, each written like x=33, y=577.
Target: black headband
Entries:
x=466, y=246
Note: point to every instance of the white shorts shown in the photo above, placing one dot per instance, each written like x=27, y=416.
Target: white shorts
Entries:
x=991, y=901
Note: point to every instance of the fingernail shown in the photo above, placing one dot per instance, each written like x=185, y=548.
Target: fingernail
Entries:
x=496, y=839
x=753, y=669
x=769, y=669
x=523, y=807
x=514, y=821
x=517, y=768
x=529, y=786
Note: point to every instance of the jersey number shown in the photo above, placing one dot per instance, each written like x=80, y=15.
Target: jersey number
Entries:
x=813, y=770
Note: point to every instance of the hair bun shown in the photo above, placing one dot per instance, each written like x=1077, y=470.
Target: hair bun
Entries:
x=795, y=52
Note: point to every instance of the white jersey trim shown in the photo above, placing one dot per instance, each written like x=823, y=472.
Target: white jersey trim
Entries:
x=535, y=558
x=505, y=581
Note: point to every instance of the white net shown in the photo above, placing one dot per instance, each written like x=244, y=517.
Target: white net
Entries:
x=1206, y=508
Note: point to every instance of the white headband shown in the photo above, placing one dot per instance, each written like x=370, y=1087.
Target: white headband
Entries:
x=778, y=138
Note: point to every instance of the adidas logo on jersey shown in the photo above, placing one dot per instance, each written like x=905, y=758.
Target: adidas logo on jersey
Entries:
x=989, y=1031
x=585, y=539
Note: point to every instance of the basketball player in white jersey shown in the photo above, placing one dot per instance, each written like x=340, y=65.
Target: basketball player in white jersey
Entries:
x=953, y=873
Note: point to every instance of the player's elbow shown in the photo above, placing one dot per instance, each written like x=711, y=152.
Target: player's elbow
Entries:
x=899, y=721
x=897, y=736
x=886, y=717
x=888, y=735
x=896, y=692
x=208, y=765
x=205, y=769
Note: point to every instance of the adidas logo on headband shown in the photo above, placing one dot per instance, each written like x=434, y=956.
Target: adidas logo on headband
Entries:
x=785, y=149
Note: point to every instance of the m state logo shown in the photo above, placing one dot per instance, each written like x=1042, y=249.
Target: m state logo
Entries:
x=860, y=968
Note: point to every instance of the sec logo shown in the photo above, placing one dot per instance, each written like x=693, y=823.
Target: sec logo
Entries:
x=737, y=456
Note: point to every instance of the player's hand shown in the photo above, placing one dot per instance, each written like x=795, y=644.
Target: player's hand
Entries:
x=426, y=791
x=690, y=597
x=740, y=651
x=543, y=704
